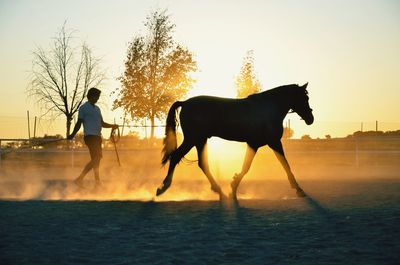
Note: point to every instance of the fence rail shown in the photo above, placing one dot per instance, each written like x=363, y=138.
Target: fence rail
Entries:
x=12, y=126
x=357, y=149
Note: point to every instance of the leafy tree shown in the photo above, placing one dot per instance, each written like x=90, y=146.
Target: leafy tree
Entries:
x=246, y=82
x=62, y=75
x=156, y=71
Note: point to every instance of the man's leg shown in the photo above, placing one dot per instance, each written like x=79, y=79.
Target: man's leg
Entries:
x=96, y=171
x=93, y=145
x=86, y=169
x=96, y=154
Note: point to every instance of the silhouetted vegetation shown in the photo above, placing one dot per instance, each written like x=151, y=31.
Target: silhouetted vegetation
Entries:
x=368, y=140
x=47, y=142
x=375, y=134
x=287, y=133
x=62, y=75
x=156, y=72
x=246, y=82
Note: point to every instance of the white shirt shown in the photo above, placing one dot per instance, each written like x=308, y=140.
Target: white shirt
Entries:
x=91, y=116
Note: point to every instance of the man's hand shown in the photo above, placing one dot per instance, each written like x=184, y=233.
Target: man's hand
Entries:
x=115, y=126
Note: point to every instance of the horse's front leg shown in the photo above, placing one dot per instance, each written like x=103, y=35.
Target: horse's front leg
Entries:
x=248, y=159
x=278, y=150
x=203, y=164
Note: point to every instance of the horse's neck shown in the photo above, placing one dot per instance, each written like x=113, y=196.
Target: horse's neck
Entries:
x=274, y=99
x=283, y=106
x=283, y=112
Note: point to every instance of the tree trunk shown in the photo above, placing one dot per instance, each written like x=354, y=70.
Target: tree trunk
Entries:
x=69, y=122
x=152, y=128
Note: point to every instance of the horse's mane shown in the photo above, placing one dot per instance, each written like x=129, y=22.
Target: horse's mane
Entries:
x=281, y=91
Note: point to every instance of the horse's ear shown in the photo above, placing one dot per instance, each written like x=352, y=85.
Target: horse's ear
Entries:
x=305, y=85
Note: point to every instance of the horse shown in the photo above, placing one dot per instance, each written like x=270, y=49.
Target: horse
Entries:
x=256, y=120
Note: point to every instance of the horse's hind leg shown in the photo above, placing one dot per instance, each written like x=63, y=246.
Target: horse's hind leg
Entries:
x=278, y=150
x=203, y=164
x=176, y=156
x=250, y=153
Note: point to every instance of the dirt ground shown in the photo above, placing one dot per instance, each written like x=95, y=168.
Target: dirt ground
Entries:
x=48, y=174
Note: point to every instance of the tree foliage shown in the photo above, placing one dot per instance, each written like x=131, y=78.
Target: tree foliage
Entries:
x=246, y=82
x=62, y=75
x=157, y=71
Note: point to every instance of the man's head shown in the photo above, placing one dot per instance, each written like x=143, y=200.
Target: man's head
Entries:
x=93, y=95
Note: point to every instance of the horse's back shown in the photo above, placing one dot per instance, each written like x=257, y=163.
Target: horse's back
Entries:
x=231, y=119
x=211, y=109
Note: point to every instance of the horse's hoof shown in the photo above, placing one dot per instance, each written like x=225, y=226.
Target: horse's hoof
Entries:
x=217, y=189
x=300, y=193
x=162, y=189
x=159, y=191
x=236, y=179
x=233, y=197
x=222, y=196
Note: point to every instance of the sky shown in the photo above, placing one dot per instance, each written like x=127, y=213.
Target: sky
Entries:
x=348, y=51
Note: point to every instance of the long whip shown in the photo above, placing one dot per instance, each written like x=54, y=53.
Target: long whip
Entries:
x=114, y=140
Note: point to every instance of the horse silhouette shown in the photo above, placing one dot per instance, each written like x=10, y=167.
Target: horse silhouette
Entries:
x=256, y=120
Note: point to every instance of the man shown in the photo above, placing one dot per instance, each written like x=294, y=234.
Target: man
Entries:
x=90, y=115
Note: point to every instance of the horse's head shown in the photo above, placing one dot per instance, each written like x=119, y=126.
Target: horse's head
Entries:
x=301, y=106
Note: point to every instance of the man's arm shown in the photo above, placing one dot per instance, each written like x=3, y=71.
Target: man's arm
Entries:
x=108, y=125
x=76, y=129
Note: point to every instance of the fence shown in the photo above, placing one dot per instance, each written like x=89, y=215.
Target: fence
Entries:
x=358, y=150
x=17, y=127
x=353, y=151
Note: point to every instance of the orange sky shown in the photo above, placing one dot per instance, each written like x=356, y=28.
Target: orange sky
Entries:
x=348, y=51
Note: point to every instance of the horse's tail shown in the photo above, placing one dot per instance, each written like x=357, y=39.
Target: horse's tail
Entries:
x=170, y=143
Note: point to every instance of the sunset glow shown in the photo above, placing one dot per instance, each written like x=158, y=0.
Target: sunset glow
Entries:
x=347, y=51
x=199, y=132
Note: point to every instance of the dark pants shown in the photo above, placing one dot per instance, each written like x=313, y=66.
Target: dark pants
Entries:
x=93, y=142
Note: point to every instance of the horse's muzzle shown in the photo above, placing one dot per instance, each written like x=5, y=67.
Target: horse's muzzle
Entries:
x=309, y=119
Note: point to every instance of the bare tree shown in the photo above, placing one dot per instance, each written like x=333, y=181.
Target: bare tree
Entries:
x=156, y=72
x=246, y=82
x=62, y=75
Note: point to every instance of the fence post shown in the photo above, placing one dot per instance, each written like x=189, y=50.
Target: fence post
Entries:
x=29, y=125
x=72, y=155
x=357, y=158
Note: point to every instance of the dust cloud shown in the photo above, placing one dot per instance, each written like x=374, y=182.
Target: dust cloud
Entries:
x=49, y=175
